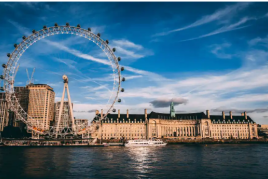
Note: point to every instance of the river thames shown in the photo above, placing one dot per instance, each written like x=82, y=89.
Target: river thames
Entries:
x=172, y=161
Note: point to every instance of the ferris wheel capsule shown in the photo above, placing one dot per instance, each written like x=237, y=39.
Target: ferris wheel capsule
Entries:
x=1, y=77
x=4, y=66
x=107, y=41
x=24, y=37
x=122, y=68
x=89, y=29
x=8, y=55
x=15, y=45
x=56, y=25
x=122, y=90
x=78, y=25
x=123, y=79
x=34, y=31
x=119, y=59
x=119, y=100
x=114, y=49
x=98, y=34
x=44, y=27
x=67, y=24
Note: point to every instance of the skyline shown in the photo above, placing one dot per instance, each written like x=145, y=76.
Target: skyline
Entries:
x=214, y=58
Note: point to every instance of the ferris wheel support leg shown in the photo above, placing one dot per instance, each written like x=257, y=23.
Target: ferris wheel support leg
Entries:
x=61, y=107
x=71, y=109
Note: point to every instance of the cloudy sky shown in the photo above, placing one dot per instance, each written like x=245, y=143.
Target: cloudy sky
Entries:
x=198, y=55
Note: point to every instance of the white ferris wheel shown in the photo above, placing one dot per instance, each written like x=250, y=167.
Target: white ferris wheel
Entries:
x=11, y=67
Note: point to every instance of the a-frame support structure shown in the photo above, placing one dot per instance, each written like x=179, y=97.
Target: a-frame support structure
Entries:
x=66, y=88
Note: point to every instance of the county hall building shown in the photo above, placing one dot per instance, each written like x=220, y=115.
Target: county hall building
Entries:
x=179, y=126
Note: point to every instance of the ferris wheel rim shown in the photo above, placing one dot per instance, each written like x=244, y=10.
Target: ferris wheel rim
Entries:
x=15, y=56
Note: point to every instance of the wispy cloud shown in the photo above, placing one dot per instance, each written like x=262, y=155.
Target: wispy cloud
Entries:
x=129, y=50
x=222, y=13
x=68, y=62
x=227, y=28
x=127, y=43
x=259, y=41
x=218, y=50
x=22, y=29
x=92, y=89
x=77, y=53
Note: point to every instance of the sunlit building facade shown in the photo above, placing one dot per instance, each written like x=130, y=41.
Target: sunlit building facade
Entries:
x=41, y=105
x=177, y=126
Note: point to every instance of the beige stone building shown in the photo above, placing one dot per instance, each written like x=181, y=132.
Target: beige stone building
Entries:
x=179, y=126
x=41, y=105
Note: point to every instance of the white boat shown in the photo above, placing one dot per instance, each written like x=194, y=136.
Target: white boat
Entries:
x=140, y=142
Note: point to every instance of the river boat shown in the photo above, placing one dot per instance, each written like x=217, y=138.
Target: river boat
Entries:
x=141, y=143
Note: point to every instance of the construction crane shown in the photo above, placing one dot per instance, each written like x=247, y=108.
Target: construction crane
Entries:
x=30, y=80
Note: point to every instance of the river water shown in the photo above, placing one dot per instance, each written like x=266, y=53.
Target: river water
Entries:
x=173, y=161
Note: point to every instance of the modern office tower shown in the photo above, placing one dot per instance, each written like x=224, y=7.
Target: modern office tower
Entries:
x=41, y=105
x=6, y=118
x=22, y=94
x=3, y=112
x=66, y=120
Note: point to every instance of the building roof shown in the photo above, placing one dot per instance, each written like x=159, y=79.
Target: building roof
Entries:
x=182, y=116
x=46, y=85
x=234, y=118
x=131, y=117
x=199, y=115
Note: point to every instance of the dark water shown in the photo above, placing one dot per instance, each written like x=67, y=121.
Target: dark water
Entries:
x=174, y=161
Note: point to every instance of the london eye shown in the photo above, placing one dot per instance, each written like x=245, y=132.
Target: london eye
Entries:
x=10, y=68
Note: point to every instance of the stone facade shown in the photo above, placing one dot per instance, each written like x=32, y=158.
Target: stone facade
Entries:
x=179, y=126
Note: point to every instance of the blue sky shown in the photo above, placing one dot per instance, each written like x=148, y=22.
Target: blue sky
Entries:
x=199, y=55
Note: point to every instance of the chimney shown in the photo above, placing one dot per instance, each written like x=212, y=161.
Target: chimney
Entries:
x=223, y=115
x=127, y=114
x=101, y=113
x=231, y=116
x=145, y=113
x=97, y=112
x=118, y=113
x=242, y=114
x=245, y=114
x=207, y=113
